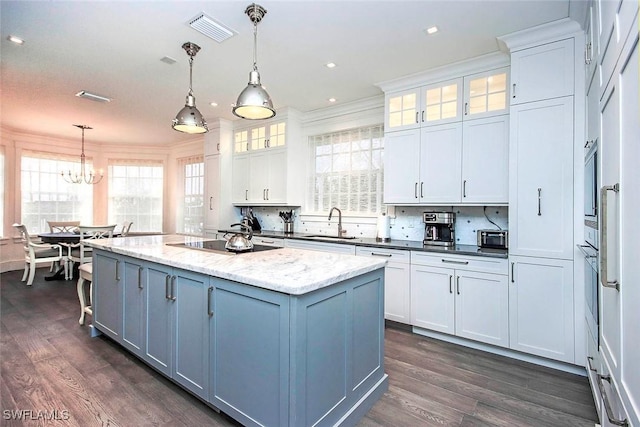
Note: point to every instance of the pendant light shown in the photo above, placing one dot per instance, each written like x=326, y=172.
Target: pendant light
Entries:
x=82, y=176
x=254, y=103
x=189, y=119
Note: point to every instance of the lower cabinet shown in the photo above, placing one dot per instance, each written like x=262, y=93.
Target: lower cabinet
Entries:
x=107, y=298
x=397, y=282
x=177, y=326
x=541, y=318
x=133, y=306
x=466, y=297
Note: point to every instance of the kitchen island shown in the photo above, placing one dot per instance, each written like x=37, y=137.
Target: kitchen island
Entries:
x=281, y=337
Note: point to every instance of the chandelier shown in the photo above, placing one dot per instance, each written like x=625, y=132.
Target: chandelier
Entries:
x=82, y=176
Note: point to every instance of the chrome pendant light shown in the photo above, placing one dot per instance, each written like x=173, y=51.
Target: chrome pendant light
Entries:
x=254, y=103
x=82, y=176
x=189, y=119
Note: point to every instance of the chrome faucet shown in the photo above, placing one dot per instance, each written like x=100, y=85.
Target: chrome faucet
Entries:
x=340, y=230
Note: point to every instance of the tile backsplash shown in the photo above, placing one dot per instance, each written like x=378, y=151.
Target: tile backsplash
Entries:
x=407, y=224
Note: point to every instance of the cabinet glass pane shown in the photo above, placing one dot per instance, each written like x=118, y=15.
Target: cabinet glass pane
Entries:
x=402, y=110
x=441, y=102
x=488, y=93
x=258, y=138
x=241, y=141
x=277, y=135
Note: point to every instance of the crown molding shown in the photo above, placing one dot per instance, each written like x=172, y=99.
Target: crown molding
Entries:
x=534, y=36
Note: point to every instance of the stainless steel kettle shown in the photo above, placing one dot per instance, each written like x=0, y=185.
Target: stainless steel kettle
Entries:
x=240, y=242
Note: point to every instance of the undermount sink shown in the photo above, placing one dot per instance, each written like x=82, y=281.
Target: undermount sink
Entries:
x=322, y=236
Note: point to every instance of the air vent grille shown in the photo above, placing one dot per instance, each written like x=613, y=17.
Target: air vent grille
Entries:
x=211, y=28
x=92, y=96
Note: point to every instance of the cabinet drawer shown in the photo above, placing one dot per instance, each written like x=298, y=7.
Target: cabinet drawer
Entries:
x=336, y=248
x=460, y=262
x=393, y=255
x=278, y=243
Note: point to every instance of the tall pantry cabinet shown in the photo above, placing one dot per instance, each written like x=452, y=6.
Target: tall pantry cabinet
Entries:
x=218, y=211
x=616, y=57
x=542, y=300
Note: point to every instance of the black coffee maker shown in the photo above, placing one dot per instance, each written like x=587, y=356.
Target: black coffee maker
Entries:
x=439, y=228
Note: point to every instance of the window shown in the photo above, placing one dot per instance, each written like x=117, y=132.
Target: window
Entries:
x=46, y=196
x=347, y=171
x=2, y=203
x=190, y=209
x=135, y=193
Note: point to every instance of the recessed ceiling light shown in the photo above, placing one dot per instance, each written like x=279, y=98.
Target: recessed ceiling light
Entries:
x=432, y=30
x=330, y=65
x=213, y=104
x=92, y=96
x=15, y=39
x=332, y=100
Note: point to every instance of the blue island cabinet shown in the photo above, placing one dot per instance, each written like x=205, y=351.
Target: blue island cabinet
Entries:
x=107, y=298
x=177, y=326
x=298, y=360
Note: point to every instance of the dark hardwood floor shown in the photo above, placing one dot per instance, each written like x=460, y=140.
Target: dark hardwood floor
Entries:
x=51, y=367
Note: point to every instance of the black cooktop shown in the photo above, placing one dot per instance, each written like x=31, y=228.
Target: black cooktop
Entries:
x=217, y=246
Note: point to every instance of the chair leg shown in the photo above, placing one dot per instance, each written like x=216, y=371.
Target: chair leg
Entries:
x=70, y=270
x=32, y=273
x=26, y=272
x=81, y=298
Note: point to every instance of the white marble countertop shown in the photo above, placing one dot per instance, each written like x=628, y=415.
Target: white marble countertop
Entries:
x=291, y=271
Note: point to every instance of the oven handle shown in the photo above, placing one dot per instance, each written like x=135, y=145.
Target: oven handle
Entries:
x=607, y=405
x=603, y=238
x=583, y=249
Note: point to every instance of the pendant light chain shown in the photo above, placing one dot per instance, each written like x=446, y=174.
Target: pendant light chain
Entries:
x=191, y=75
x=255, y=46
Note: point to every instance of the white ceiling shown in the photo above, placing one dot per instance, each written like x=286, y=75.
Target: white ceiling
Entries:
x=113, y=48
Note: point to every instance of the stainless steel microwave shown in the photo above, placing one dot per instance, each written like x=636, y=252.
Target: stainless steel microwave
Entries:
x=494, y=239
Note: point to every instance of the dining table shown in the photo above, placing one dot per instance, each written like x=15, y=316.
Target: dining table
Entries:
x=63, y=239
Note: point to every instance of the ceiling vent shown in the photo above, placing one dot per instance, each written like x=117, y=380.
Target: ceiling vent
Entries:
x=92, y=96
x=211, y=28
x=168, y=60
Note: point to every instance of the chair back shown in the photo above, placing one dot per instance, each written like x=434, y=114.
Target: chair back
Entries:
x=125, y=228
x=89, y=232
x=24, y=235
x=63, y=226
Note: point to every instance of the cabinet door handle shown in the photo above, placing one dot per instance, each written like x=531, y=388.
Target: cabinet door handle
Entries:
x=139, y=277
x=450, y=284
x=267, y=194
x=587, y=54
x=379, y=254
x=589, y=359
x=246, y=194
x=167, y=294
x=415, y=190
x=606, y=283
x=211, y=203
x=513, y=91
x=117, y=270
x=218, y=147
x=417, y=113
x=539, y=201
x=421, y=189
x=512, y=279
x=607, y=405
x=264, y=192
x=451, y=261
x=458, y=285
x=422, y=116
x=268, y=242
x=466, y=108
x=209, y=292
x=173, y=288
x=464, y=188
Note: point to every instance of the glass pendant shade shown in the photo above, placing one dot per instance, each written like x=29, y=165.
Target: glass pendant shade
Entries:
x=254, y=103
x=189, y=119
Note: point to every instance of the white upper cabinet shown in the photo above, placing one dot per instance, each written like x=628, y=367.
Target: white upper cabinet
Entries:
x=473, y=96
x=542, y=72
x=486, y=94
x=267, y=162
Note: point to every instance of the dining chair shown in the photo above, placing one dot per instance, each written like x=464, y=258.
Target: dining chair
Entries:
x=80, y=252
x=86, y=275
x=126, y=226
x=63, y=226
x=38, y=253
